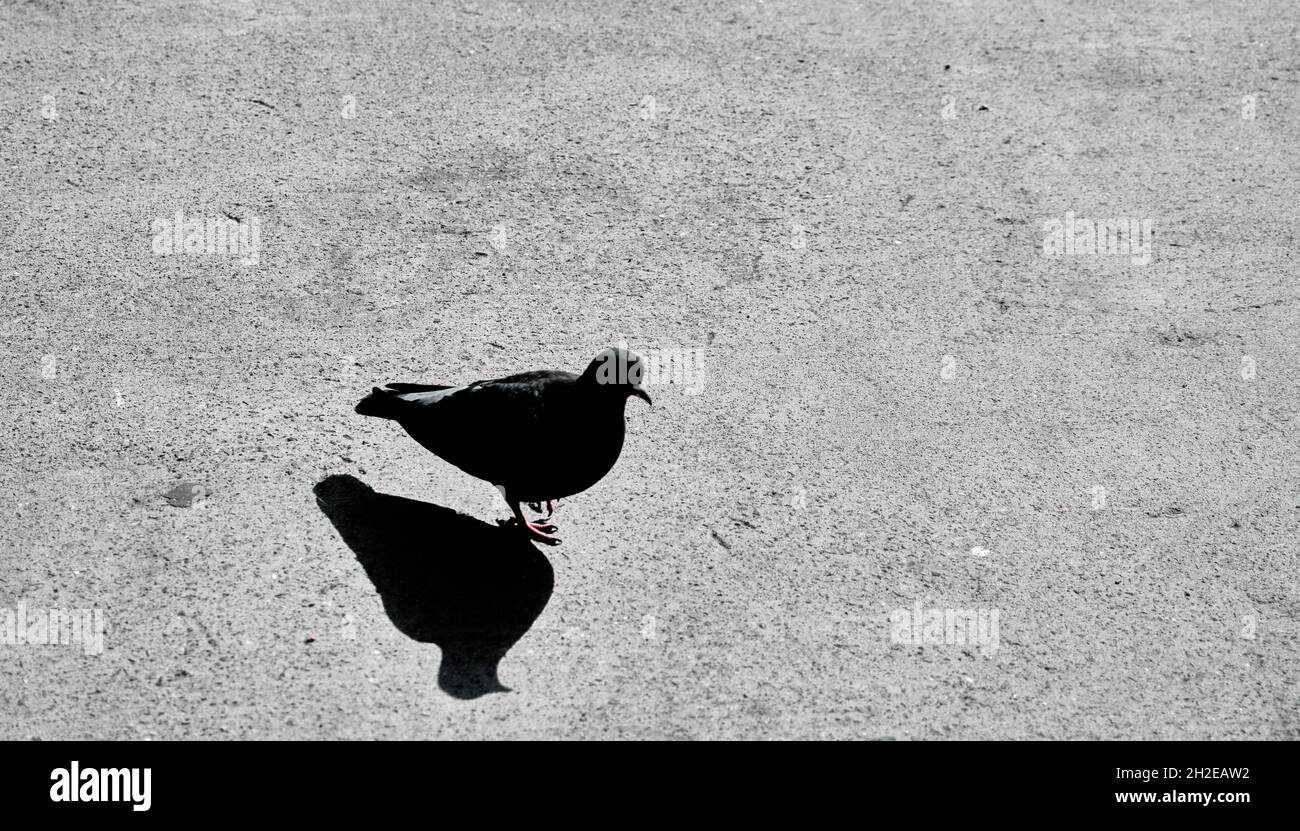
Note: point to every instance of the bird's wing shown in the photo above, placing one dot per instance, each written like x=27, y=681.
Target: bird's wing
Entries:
x=417, y=387
x=421, y=393
x=481, y=427
x=510, y=398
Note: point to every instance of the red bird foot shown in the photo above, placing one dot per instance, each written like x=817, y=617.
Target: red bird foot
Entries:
x=541, y=532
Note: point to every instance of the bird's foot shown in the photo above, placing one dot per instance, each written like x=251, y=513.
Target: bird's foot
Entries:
x=541, y=532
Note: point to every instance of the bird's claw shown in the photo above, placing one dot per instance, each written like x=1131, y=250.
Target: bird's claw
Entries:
x=541, y=533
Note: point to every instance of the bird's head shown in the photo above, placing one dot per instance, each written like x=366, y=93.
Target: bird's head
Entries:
x=618, y=371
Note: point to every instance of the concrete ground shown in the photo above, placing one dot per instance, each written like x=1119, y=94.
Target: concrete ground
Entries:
x=905, y=405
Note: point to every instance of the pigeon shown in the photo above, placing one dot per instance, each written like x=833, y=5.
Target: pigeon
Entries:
x=537, y=436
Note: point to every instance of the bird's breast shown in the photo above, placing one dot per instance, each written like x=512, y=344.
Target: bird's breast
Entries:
x=574, y=461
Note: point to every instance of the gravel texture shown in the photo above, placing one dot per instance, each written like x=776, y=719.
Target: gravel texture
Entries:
x=840, y=207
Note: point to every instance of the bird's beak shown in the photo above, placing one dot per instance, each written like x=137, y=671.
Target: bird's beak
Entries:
x=643, y=395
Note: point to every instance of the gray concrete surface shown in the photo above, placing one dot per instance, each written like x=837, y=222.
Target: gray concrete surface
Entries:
x=842, y=204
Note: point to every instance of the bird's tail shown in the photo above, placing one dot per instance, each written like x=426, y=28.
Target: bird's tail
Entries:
x=381, y=403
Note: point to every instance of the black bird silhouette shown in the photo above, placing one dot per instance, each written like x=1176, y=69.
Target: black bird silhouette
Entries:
x=475, y=427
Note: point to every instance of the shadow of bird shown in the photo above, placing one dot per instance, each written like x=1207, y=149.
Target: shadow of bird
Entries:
x=472, y=588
